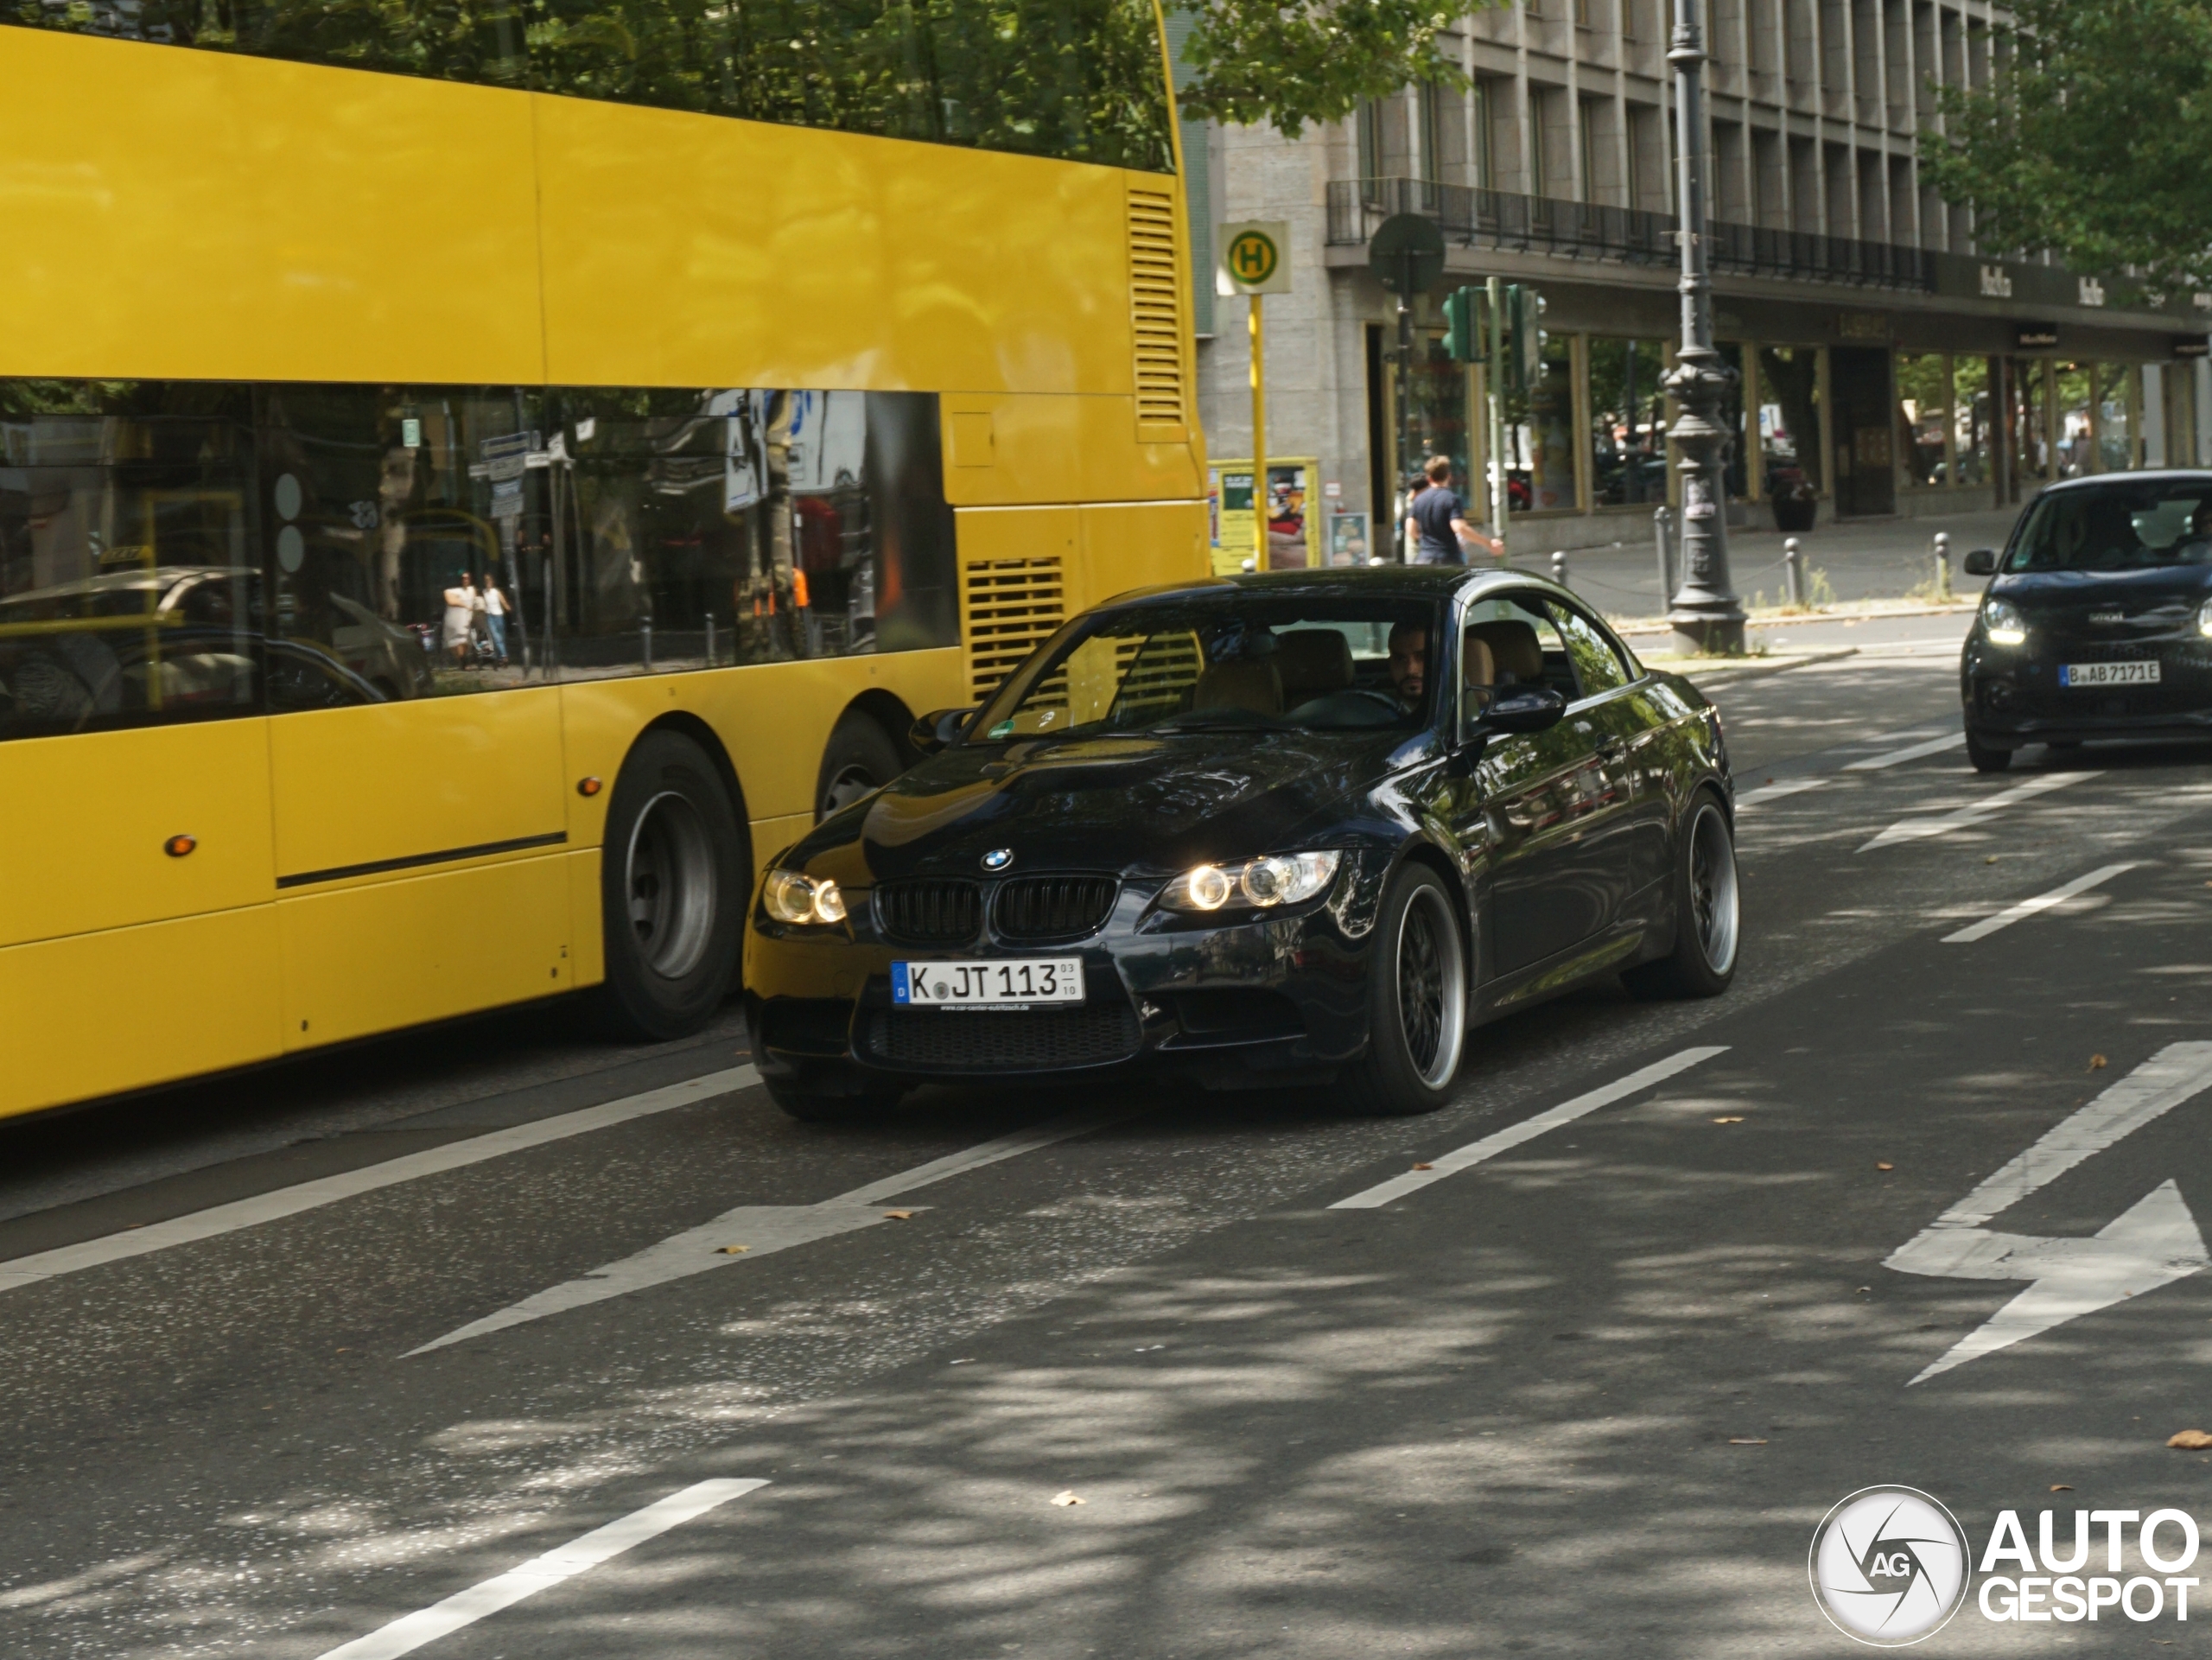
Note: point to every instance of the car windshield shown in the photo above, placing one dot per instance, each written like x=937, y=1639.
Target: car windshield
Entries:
x=1234, y=660
x=2118, y=527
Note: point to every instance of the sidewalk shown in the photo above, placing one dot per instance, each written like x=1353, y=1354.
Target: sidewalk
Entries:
x=1879, y=559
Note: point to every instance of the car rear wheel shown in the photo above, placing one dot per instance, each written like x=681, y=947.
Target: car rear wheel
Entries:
x=1985, y=758
x=1416, y=1000
x=1708, y=918
x=672, y=891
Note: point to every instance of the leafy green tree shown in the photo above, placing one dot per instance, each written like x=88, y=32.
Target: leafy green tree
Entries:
x=1287, y=63
x=2094, y=142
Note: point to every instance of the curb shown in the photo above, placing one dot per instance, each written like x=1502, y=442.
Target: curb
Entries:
x=1632, y=629
x=1753, y=670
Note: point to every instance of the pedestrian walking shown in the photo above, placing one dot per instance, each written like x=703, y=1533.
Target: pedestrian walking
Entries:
x=1438, y=521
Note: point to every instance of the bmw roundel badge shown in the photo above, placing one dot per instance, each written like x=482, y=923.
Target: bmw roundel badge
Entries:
x=998, y=859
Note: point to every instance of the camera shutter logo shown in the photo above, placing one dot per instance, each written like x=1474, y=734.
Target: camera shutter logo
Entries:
x=1889, y=1566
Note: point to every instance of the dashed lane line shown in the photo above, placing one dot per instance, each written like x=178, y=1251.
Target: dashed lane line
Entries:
x=1767, y=792
x=464, y=1608
x=2027, y=908
x=751, y=1231
x=1527, y=1130
x=220, y=1219
x=1910, y=752
x=1915, y=830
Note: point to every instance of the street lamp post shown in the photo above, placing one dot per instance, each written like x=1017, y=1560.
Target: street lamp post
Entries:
x=1707, y=615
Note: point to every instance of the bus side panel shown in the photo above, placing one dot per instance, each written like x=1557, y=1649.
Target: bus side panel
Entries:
x=824, y=259
x=85, y=842
x=389, y=954
x=1028, y=449
x=194, y=215
x=101, y=1013
x=587, y=942
x=1139, y=544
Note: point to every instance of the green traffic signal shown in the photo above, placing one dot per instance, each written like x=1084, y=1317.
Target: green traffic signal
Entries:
x=1524, y=338
x=1463, y=340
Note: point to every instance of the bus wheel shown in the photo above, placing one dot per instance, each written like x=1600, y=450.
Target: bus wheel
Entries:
x=672, y=891
x=859, y=759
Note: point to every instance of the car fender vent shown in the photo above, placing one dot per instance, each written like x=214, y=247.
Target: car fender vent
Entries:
x=1008, y=608
x=1035, y=908
x=942, y=912
x=1156, y=316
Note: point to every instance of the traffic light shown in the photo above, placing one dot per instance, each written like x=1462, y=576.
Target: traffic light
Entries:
x=1462, y=325
x=1524, y=338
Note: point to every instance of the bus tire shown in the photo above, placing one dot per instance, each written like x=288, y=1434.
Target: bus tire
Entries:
x=672, y=891
x=859, y=759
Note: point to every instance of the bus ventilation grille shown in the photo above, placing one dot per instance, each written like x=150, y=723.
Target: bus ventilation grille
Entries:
x=1156, y=311
x=1009, y=607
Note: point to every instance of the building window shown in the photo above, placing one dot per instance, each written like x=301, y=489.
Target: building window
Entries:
x=1972, y=414
x=1628, y=422
x=1789, y=422
x=1923, y=416
x=1485, y=161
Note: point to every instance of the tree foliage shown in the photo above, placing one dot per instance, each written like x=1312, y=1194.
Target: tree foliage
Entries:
x=1313, y=61
x=2095, y=142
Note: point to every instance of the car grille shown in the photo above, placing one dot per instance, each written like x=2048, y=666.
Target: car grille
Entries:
x=930, y=913
x=1032, y=1041
x=1052, y=908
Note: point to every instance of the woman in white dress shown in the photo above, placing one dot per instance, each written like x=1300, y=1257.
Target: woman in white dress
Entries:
x=461, y=606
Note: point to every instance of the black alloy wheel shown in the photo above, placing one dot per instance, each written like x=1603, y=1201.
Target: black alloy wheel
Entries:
x=1416, y=1000
x=859, y=759
x=1708, y=910
x=672, y=891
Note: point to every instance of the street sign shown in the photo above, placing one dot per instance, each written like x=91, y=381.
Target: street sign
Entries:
x=1254, y=256
x=1406, y=253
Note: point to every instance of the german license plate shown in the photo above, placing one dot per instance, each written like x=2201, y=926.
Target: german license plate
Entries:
x=1024, y=983
x=2109, y=674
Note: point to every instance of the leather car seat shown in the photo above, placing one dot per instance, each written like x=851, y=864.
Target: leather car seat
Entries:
x=1518, y=658
x=1478, y=668
x=1312, y=662
x=1241, y=683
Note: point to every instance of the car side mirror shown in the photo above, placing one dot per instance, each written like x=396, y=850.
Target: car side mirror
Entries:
x=1532, y=710
x=938, y=729
x=1982, y=561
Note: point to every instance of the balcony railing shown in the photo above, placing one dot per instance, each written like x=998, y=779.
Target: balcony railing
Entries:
x=1495, y=219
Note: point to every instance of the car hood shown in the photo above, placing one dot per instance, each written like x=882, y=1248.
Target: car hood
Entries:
x=1114, y=803
x=2131, y=591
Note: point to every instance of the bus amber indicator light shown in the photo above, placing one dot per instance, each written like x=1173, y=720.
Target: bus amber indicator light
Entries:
x=177, y=846
x=588, y=787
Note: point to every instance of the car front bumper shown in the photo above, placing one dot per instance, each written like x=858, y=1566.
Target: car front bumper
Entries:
x=2012, y=696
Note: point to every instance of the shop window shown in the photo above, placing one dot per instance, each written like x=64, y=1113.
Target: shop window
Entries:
x=1972, y=418
x=1438, y=415
x=2115, y=413
x=1628, y=421
x=1540, y=438
x=1790, y=435
x=2072, y=386
x=1923, y=416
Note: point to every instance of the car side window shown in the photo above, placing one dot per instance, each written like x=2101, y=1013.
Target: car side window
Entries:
x=1513, y=642
x=1599, y=666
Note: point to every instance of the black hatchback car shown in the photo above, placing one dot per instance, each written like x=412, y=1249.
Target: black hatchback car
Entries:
x=1271, y=830
x=2097, y=622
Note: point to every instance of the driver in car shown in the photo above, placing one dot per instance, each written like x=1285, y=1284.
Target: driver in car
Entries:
x=1409, y=661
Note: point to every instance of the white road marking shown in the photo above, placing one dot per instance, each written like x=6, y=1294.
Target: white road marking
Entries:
x=763, y=1229
x=1910, y=752
x=2026, y=908
x=406, y=1635
x=1913, y=830
x=1527, y=1130
x=1775, y=792
x=2154, y=1242
x=220, y=1219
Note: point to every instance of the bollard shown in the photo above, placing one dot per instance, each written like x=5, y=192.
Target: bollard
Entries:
x=1663, y=534
x=1942, y=564
x=710, y=640
x=645, y=644
x=1559, y=569
x=1793, y=571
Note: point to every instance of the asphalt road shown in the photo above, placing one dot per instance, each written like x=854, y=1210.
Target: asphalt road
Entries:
x=1586, y=1394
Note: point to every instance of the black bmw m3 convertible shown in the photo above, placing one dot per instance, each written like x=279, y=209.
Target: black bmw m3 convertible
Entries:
x=1308, y=828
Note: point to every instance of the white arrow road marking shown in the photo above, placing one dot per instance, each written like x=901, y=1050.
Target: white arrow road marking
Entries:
x=1912, y=830
x=763, y=1229
x=2026, y=908
x=541, y=1573
x=2154, y=1242
x=1767, y=792
x=1527, y=1130
x=326, y=1190
x=1912, y=751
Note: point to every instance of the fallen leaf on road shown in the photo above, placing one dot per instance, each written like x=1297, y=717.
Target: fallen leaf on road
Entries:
x=1745, y=1440
x=1865, y=1288
x=2097, y=1063
x=2190, y=1440
x=1884, y=1163
x=731, y=1250
x=899, y=1216
x=1991, y=860
x=1065, y=1498
x=1729, y=1121
x=2060, y=1487
x=1424, y=1166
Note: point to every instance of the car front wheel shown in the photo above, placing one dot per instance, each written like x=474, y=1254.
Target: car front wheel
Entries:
x=1416, y=1000
x=1984, y=757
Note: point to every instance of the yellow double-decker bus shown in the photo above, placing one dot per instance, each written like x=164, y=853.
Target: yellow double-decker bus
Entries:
x=476, y=481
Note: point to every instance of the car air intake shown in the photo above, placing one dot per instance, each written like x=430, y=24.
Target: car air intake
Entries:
x=930, y=913
x=1053, y=907
x=1035, y=1039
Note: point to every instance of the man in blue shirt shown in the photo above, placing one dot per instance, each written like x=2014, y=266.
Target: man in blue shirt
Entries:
x=1439, y=520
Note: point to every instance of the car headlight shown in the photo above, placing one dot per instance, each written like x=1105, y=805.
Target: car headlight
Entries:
x=2002, y=622
x=791, y=897
x=2204, y=618
x=1279, y=878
